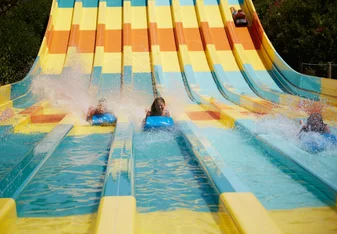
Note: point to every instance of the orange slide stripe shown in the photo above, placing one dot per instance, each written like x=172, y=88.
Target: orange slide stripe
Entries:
x=57, y=41
x=206, y=33
x=153, y=33
x=83, y=40
x=53, y=118
x=31, y=110
x=127, y=34
x=140, y=40
x=193, y=39
x=230, y=27
x=167, y=39
x=179, y=29
x=220, y=39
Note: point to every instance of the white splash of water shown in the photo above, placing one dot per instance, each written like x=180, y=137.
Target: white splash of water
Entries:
x=176, y=98
x=289, y=130
x=69, y=91
x=279, y=125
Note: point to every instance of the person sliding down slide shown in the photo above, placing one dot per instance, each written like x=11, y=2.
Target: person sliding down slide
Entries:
x=158, y=116
x=239, y=17
x=323, y=138
x=100, y=115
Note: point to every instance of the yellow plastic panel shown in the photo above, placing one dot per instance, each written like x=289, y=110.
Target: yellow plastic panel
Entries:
x=163, y=15
x=329, y=86
x=184, y=55
x=116, y=215
x=240, y=55
x=16, y=121
x=225, y=11
x=170, y=62
x=176, y=11
x=139, y=17
x=127, y=12
x=7, y=216
x=99, y=56
x=248, y=213
x=199, y=61
x=62, y=19
x=69, y=119
x=127, y=56
x=141, y=62
x=200, y=10
x=114, y=19
x=87, y=130
x=89, y=19
x=155, y=53
x=228, y=61
x=102, y=10
x=189, y=17
x=151, y=11
x=78, y=13
x=112, y=63
x=212, y=54
x=306, y=220
x=268, y=47
x=36, y=128
x=53, y=64
x=71, y=56
x=255, y=60
x=52, y=225
x=268, y=64
x=184, y=221
x=5, y=93
x=214, y=16
x=6, y=105
x=212, y=124
x=86, y=61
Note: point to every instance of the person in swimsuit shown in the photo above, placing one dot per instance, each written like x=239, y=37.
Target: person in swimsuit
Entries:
x=158, y=108
x=101, y=108
x=237, y=14
x=315, y=124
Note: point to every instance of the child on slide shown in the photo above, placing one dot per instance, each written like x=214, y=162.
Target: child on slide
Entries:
x=158, y=108
x=315, y=124
x=101, y=108
x=237, y=14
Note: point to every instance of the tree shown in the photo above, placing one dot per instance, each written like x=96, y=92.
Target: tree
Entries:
x=21, y=32
x=301, y=31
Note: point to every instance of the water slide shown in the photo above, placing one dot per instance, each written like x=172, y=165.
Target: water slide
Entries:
x=217, y=173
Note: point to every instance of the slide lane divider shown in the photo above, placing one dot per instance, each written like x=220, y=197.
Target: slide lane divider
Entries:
x=244, y=208
x=117, y=207
x=18, y=178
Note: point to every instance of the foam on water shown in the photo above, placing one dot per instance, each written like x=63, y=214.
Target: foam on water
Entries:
x=289, y=130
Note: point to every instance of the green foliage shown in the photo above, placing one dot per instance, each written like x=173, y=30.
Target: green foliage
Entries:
x=301, y=31
x=21, y=32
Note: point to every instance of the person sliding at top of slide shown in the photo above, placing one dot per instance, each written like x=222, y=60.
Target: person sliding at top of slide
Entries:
x=239, y=17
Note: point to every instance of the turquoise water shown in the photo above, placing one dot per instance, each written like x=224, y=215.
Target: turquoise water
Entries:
x=167, y=175
x=13, y=148
x=71, y=181
x=273, y=184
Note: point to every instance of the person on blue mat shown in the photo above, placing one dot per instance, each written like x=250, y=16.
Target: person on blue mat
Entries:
x=315, y=124
x=101, y=108
x=158, y=108
x=237, y=14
